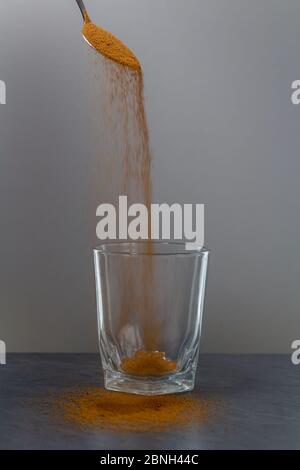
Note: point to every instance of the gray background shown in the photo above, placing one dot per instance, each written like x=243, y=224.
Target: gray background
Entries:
x=223, y=132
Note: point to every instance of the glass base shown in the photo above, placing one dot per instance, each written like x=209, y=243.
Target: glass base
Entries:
x=175, y=383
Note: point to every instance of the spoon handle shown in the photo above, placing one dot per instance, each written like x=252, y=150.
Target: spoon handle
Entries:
x=83, y=10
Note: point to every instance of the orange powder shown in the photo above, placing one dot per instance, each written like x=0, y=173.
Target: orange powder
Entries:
x=117, y=411
x=108, y=45
x=148, y=363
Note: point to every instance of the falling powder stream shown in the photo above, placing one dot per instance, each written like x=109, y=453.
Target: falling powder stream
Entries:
x=123, y=159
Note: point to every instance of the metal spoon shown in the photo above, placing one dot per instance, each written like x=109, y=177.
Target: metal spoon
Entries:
x=82, y=9
x=111, y=47
x=85, y=17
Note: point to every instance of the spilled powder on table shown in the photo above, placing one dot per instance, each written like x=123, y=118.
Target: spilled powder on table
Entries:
x=115, y=411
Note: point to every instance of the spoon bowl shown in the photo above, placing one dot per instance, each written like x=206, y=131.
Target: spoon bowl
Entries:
x=106, y=43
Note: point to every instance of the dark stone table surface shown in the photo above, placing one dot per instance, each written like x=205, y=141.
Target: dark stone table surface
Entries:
x=260, y=397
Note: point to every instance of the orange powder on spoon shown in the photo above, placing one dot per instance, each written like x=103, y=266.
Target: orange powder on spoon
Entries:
x=109, y=45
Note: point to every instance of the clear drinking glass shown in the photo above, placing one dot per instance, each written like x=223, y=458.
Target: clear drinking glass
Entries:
x=150, y=300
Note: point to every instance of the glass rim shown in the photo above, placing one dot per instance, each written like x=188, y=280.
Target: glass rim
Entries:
x=119, y=248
